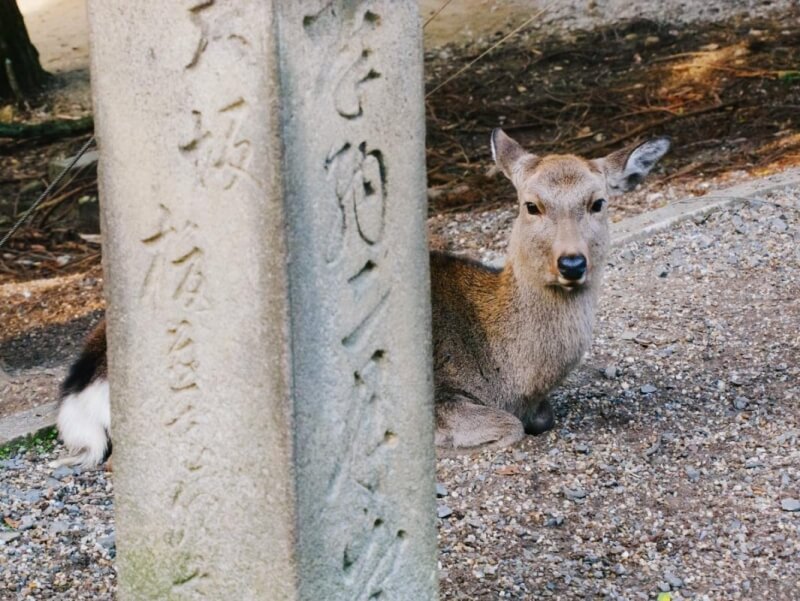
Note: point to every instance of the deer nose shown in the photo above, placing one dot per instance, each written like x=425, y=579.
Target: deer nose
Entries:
x=572, y=267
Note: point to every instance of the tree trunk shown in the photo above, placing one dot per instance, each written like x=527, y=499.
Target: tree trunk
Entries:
x=20, y=71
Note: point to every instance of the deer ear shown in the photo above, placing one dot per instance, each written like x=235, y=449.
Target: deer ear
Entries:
x=509, y=156
x=625, y=168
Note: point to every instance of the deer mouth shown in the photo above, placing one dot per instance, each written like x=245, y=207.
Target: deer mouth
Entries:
x=572, y=284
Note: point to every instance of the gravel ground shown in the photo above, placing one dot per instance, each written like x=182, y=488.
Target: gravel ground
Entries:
x=469, y=19
x=57, y=536
x=674, y=465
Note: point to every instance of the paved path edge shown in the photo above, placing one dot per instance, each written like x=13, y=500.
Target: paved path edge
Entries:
x=647, y=224
x=29, y=421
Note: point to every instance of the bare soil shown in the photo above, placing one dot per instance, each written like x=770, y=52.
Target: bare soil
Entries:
x=43, y=325
x=674, y=461
x=728, y=93
x=676, y=442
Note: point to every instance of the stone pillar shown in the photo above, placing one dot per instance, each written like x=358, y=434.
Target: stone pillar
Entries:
x=262, y=181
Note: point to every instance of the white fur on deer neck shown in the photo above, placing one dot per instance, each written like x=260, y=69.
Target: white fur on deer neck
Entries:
x=547, y=330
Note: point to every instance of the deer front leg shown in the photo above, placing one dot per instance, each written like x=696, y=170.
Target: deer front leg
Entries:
x=540, y=418
x=464, y=427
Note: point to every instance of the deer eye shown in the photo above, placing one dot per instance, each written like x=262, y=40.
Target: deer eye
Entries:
x=533, y=209
x=597, y=205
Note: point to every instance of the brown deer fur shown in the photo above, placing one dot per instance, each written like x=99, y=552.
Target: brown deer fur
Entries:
x=504, y=338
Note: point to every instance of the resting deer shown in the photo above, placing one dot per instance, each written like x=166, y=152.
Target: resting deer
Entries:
x=502, y=338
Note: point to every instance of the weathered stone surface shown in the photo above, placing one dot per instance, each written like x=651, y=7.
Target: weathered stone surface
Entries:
x=264, y=203
x=354, y=135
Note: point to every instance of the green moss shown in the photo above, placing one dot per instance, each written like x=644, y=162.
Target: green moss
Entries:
x=42, y=441
x=149, y=575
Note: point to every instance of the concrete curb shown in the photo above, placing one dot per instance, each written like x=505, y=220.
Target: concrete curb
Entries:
x=27, y=422
x=647, y=224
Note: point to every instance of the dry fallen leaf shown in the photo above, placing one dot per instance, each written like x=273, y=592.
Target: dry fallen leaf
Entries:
x=12, y=523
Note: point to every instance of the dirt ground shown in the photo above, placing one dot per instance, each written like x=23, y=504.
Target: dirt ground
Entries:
x=637, y=491
x=673, y=469
x=726, y=91
x=675, y=450
x=60, y=31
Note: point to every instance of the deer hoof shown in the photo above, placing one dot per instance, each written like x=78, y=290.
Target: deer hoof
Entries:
x=541, y=419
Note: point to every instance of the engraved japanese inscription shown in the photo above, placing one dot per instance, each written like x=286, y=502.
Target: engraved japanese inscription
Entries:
x=217, y=145
x=175, y=280
x=357, y=255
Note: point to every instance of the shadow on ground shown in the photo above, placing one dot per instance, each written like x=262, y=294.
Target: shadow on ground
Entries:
x=47, y=346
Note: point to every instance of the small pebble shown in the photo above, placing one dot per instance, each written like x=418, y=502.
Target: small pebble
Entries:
x=58, y=526
x=741, y=403
x=692, y=474
x=62, y=472
x=554, y=521
x=27, y=522
x=574, y=494
x=673, y=580
x=6, y=536
x=778, y=225
x=790, y=504
x=519, y=456
x=108, y=542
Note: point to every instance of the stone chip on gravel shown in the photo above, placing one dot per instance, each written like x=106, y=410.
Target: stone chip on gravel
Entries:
x=8, y=536
x=574, y=494
x=741, y=403
x=790, y=504
x=674, y=581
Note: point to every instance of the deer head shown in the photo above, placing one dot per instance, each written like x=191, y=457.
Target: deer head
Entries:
x=560, y=236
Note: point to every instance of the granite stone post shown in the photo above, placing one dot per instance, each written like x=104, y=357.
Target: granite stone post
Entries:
x=263, y=213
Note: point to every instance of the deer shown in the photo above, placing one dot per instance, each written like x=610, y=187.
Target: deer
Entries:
x=502, y=338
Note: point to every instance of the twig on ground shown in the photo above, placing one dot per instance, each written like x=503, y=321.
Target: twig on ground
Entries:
x=504, y=39
x=436, y=14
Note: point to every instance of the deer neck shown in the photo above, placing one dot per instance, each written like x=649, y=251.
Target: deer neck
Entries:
x=531, y=305
x=547, y=331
